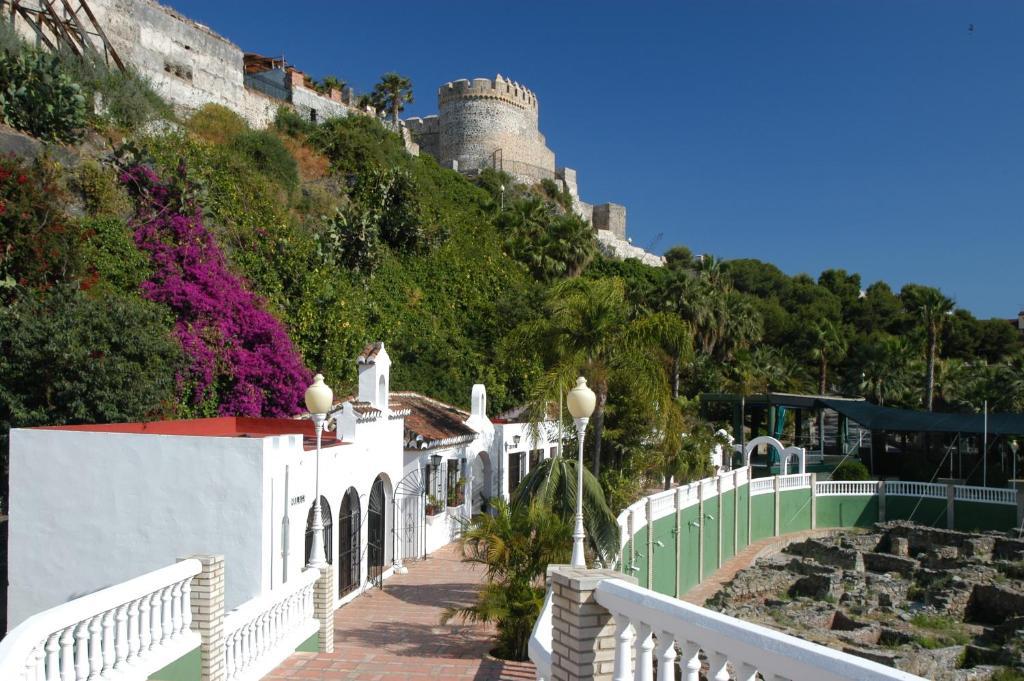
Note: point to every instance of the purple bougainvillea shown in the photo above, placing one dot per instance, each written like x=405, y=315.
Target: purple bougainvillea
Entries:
x=239, y=354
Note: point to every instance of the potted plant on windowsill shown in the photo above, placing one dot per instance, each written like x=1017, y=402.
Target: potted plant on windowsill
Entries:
x=457, y=494
x=434, y=505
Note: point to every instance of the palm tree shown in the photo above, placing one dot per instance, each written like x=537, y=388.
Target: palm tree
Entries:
x=515, y=546
x=552, y=485
x=683, y=451
x=584, y=329
x=931, y=307
x=675, y=338
x=829, y=345
x=391, y=94
x=882, y=368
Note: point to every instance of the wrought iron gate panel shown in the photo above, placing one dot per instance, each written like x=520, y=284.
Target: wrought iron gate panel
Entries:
x=375, y=534
x=410, y=510
x=349, y=553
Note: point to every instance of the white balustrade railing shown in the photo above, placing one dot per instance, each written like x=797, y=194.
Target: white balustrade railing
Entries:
x=651, y=626
x=742, y=475
x=797, y=481
x=126, y=631
x=540, y=640
x=902, y=488
x=709, y=487
x=261, y=633
x=846, y=488
x=990, y=495
x=663, y=504
x=762, y=486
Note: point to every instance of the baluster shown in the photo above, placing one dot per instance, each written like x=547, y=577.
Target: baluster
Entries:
x=229, y=656
x=53, y=657
x=145, y=626
x=623, y=638
x=108, y=640
x=175, y=609
x=239, y=659
x=746, y=672
x=67, y=654
x=691, y=653
x=121, y=638
x=155, y=619
x=168, y=623
x=666, y=652
x=644, y=653
x=244, y=635
x=275, y=622
x=133, y=630
x=95, y=647
x=37, y=663
x=82, y=651
x=186, y=605
x=719, y=666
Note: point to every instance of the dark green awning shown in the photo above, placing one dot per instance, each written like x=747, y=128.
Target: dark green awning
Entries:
x=874, y=417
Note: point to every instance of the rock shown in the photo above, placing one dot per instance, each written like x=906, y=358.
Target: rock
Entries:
x=993, y=604
x=884, y=562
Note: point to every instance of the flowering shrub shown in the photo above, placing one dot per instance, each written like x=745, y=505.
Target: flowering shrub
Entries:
x=39, y=246
x=240, y=357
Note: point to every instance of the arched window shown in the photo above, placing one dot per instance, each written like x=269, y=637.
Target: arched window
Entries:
x=325, y=517
x=382, y=393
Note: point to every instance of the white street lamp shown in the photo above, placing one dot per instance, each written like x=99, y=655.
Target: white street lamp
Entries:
x=581, y=402
x=319, y=400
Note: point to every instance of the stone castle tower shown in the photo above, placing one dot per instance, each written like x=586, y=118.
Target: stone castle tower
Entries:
x=486, y=123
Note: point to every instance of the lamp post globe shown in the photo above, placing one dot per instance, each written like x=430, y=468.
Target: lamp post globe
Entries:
x=319, y=400
x=581, y=401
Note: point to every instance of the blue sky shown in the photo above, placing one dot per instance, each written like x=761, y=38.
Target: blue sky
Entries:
x=879, y=136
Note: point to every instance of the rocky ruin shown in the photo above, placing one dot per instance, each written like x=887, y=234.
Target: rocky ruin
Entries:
x=941, y=604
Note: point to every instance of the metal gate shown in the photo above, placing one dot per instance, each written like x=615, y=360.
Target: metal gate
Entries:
x=375, y=534
x=349, y=554
x=410, y=497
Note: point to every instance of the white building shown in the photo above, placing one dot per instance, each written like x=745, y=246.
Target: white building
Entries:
x=95, y=505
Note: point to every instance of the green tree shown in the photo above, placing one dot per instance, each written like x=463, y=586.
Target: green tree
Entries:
x=584, y=329
x=391, y=94
x=931, y=308
x=880, y=368
x=828, y=345
x=684, y=445
x=552, y=485
x=515, y=545
x=552, y=245
x=71, y=357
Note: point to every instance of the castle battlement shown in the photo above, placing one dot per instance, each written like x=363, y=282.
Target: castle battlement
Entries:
x=423, y=126
x=499, y=88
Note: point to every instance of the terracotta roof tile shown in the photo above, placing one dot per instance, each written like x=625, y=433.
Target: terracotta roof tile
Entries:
x=369, y=353
x=431, y=420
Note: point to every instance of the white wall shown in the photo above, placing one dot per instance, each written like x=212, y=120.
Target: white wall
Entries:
x=89, y=510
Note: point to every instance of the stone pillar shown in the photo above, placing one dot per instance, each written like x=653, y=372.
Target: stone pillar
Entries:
x=700, y=532
x=719, y=481
x=735, y=513
x=881, y=501
x=650, y=544
x=323, y=606
x=583, y=632
x=778, y=504
x=950, y=506
x=814, y=501
x=750, y=509
x=208, y=616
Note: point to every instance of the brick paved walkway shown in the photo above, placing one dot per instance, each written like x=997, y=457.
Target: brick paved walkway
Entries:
x=396, y=633
x=744, y=559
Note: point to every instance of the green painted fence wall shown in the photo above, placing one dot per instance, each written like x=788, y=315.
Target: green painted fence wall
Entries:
x=680, y=554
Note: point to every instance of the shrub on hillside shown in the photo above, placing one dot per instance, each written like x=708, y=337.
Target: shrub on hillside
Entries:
x=124, y=98
x=268, y=156
x=289, y=122
x=38, y=97
x=355, y=143
x=241, y=360
x=111, y=255
x=216, y=123
x=851, y=470
x=39, y=245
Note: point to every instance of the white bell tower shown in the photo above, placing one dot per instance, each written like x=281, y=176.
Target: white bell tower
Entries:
x=375, y=375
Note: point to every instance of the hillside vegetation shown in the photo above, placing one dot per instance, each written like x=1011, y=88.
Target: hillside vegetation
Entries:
x=156, y=267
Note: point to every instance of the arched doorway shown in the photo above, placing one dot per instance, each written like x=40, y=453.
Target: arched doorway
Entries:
x=483, y=482
x=325, y=517
x=349, y=554
x=376, y=521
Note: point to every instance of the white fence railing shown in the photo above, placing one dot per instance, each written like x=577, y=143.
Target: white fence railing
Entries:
x=798, y=481
x=649, y=625
x=846, y=488
x=989, y=495
x=127, y=631
x=762, y=486
x=662, y=504
x=931, y=490
x=260, y=634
